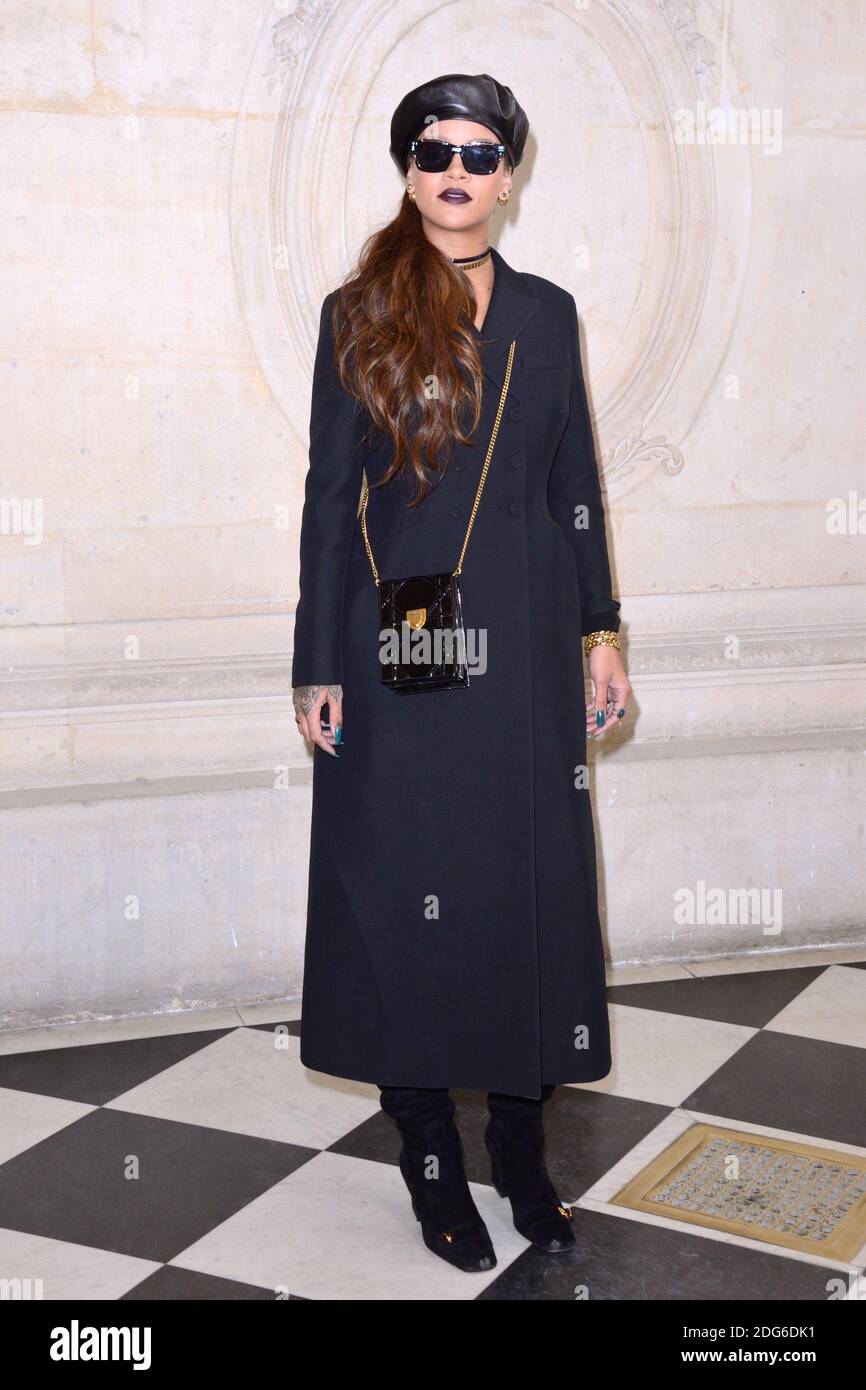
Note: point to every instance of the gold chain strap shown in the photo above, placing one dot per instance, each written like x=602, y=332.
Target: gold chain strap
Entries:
x=366, y=491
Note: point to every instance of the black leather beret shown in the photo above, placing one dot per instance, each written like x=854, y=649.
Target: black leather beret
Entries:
x=458, y=96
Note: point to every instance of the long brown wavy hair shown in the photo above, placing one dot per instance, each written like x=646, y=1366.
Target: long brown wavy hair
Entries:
x=405, y=350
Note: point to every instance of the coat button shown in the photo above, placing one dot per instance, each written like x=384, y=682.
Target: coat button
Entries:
x=516, y=460
x=456, y=511
x=513, y=509
x=514, y=413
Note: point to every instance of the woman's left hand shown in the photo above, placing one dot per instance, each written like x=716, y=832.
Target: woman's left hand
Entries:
x=612, y=689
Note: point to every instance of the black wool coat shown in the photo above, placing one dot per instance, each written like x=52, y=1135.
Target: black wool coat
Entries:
x=453, y=936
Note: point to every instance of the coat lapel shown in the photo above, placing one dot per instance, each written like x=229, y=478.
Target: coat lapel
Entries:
x=510, y=308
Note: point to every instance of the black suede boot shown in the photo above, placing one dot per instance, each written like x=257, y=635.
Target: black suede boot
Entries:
x=515, y=1142
x=431, y=1162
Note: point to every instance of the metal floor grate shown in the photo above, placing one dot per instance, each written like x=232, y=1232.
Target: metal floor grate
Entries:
x=797, y=1195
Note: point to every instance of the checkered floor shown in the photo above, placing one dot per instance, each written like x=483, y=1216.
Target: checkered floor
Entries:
x=195, y=1158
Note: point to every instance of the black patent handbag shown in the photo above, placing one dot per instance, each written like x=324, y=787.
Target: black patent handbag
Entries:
x=422, y=640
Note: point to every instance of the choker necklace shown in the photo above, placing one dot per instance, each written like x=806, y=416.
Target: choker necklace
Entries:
x=470, y=262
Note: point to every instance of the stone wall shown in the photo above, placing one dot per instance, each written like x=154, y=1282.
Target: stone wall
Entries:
x=183, y=184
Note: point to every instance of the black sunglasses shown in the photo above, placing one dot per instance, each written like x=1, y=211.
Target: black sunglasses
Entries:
x=434, y=156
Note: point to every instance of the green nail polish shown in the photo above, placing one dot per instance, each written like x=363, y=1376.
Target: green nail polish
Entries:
x=338, y=734
x=599, y=717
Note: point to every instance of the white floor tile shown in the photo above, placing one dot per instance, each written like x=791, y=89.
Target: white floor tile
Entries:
x=343, y=1228
x=27, y=1118
x=832, y=1008
x=663, y=1057
x=246, y=1083
x=58, y=1269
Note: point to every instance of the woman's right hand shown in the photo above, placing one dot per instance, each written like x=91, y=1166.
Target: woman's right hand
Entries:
x=309, y=701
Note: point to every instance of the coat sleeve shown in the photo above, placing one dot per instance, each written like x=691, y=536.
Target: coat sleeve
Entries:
x=575, y=502
x=331, y=497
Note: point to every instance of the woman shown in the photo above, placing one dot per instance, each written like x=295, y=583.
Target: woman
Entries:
x=453, y=937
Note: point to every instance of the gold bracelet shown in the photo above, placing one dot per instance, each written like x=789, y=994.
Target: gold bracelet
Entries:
x=600, y=639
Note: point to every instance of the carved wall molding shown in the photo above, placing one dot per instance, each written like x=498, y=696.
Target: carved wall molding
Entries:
x=74, y=716
x=329, y=74
x=52, y=671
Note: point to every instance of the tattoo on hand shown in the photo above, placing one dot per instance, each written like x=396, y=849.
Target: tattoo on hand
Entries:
x=305, y=697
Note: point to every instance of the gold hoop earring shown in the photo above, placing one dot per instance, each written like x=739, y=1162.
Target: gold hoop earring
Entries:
x=500, y=198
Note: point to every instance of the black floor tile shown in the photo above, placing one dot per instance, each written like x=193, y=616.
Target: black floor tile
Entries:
x=787, y=1082
x=377, y=1139
x=292, y=1026
x=172, y=1284
x=99, y=1072
x=616, y=1258
x=586, y=1133
x=750, y=998
x=74, y=1186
